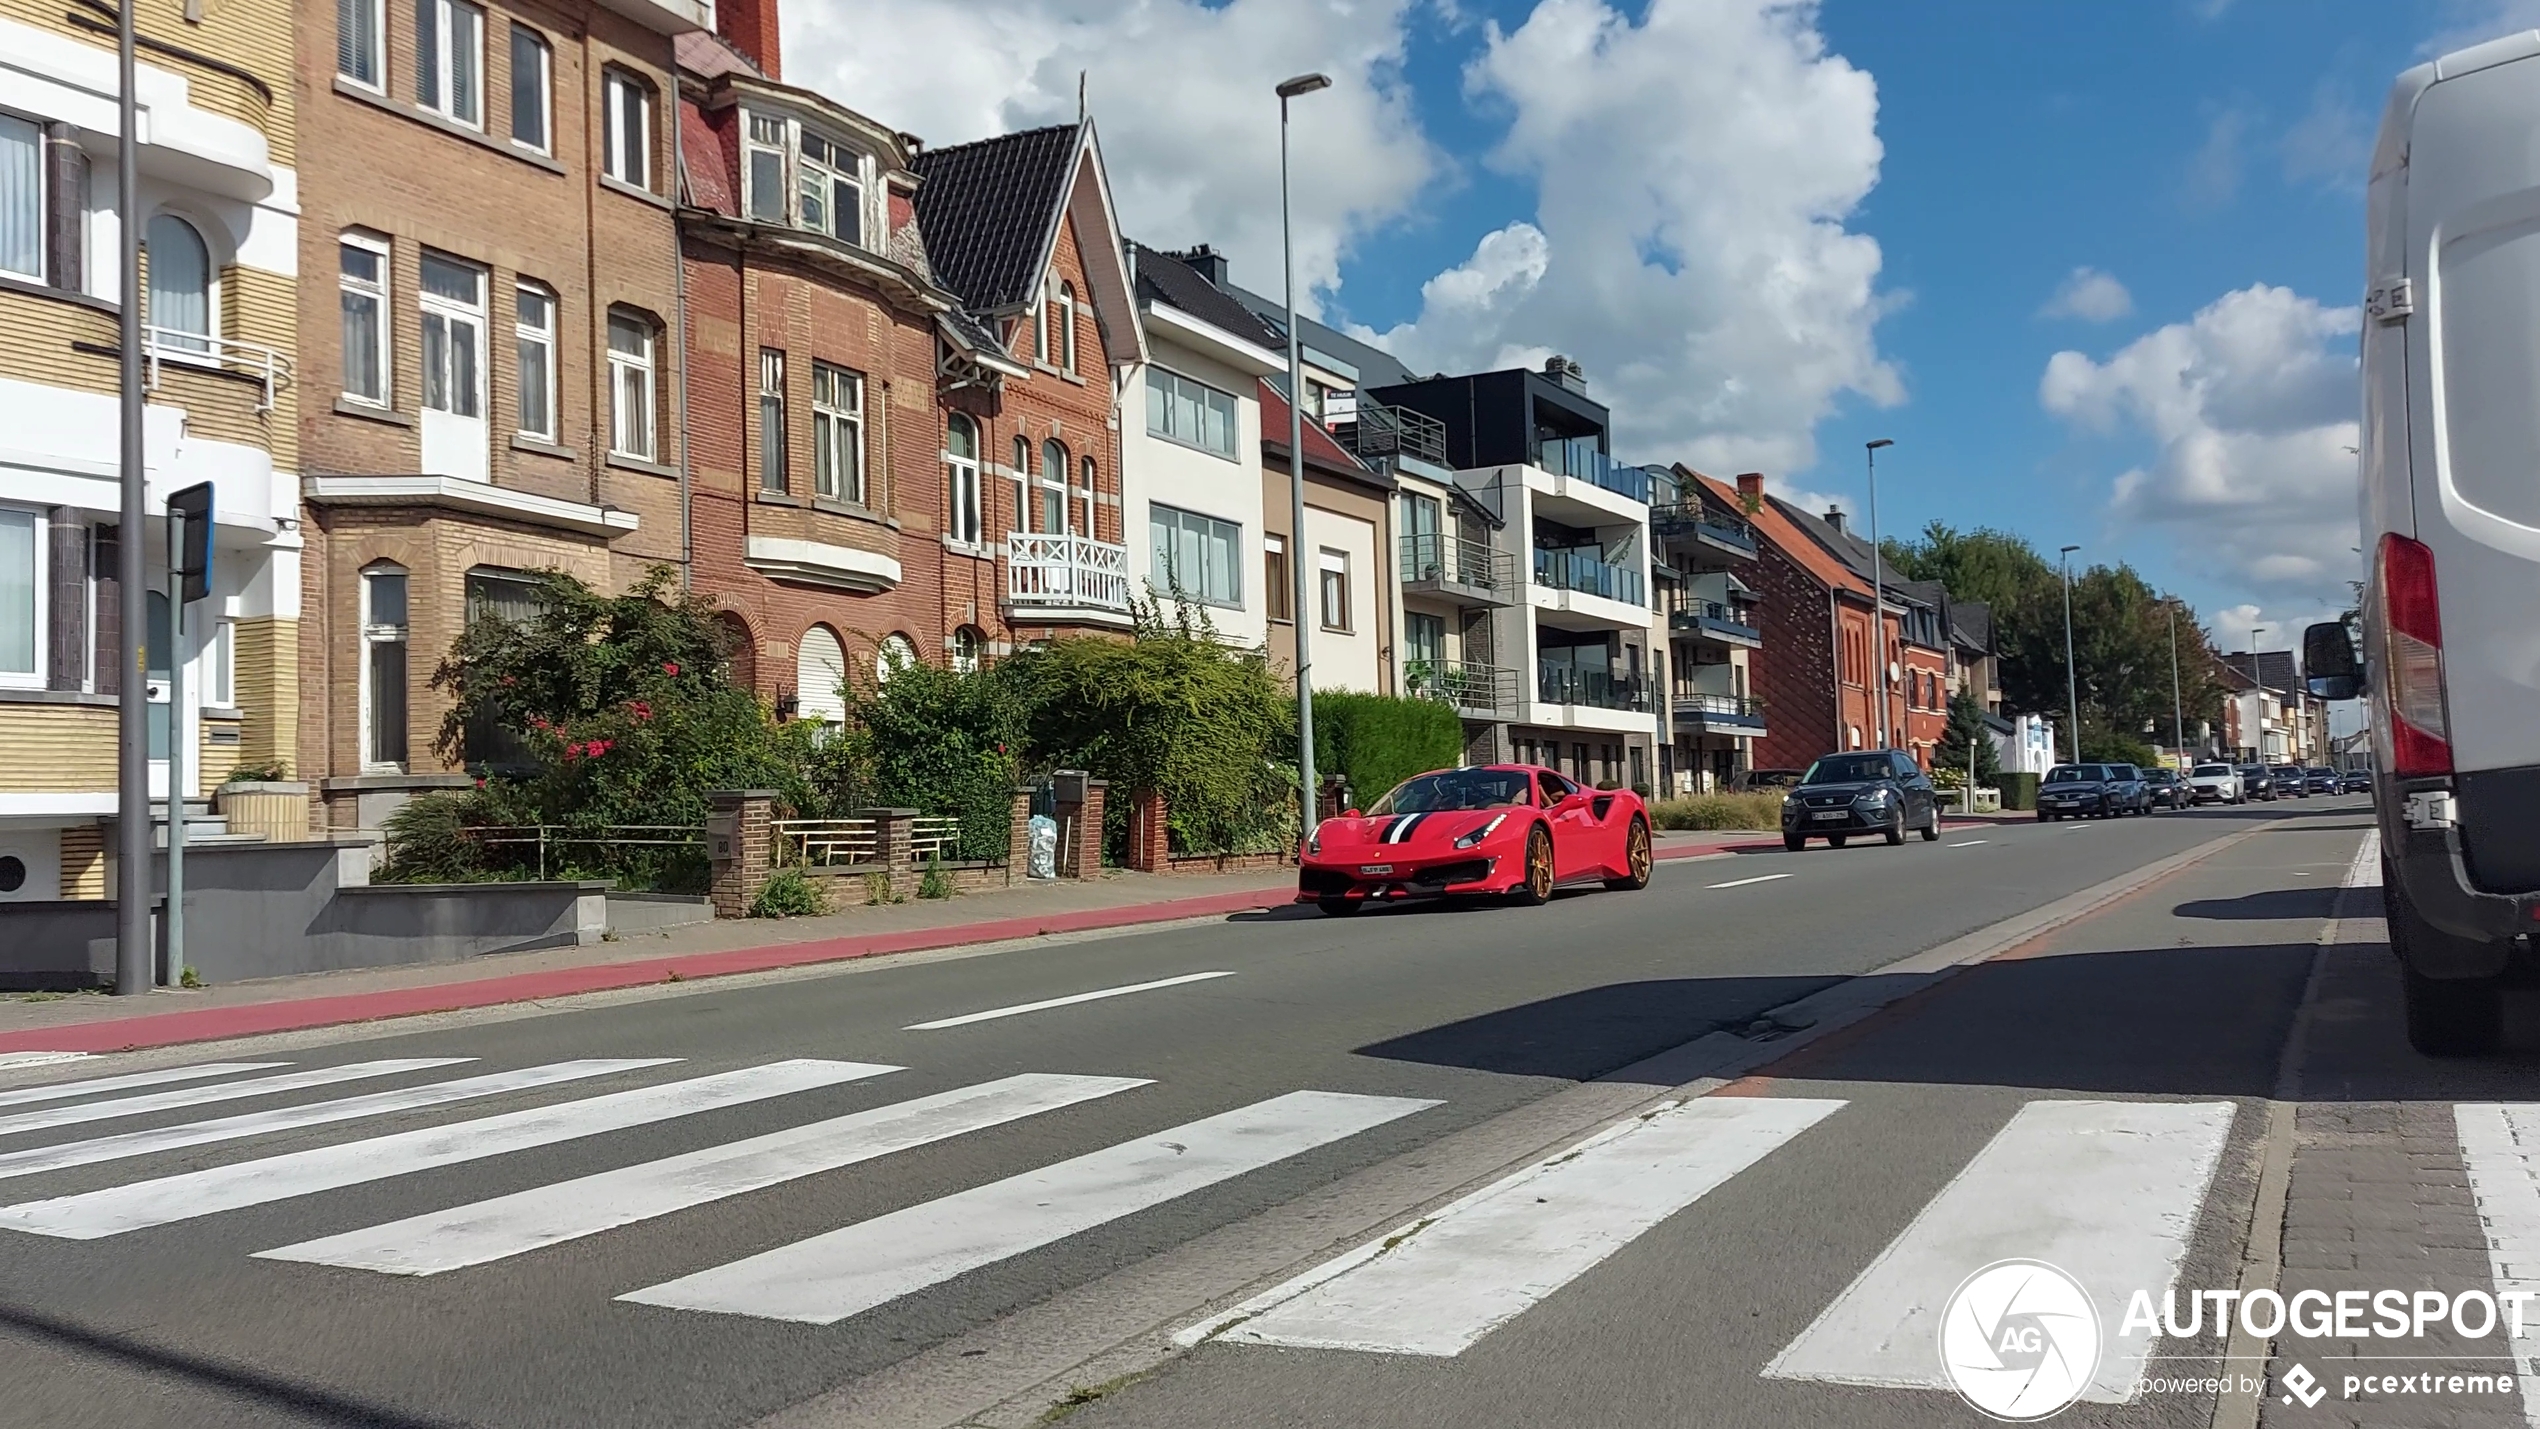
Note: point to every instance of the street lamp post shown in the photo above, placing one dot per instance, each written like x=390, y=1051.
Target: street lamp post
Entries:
x=1290, y=89
x=2258, y=677
x=2072, y=676
x=1878, y=590
x=133, y=958
x=2178, y=707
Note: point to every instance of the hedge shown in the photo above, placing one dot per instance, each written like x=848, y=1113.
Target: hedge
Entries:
x=1377, y=741
x=2019, y=791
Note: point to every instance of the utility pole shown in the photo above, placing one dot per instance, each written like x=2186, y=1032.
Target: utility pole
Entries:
x=1290, y=89
x=2072, y=677
x=2178, y=708
x=1878, y=590
x=132, y=701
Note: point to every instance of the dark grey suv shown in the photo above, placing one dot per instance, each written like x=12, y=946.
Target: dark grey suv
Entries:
x=2091, y=791
x=1868, y=791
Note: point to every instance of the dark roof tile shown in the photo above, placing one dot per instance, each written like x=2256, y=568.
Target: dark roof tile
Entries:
x=1168, y=280
x=986, y=209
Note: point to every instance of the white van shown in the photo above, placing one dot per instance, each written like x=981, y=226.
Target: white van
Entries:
x=2451, y=506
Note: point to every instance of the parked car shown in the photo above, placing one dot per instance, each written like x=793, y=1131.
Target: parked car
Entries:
x=1509, y=830
x=2290, y=782
x=2453, y=573
x=2215, y=784
x=2355, y=781
x=1867, y=791
x=1768, y=779
x=2257, y=783
x=2090, y=791
x=2323, y=781
x=2163, y=789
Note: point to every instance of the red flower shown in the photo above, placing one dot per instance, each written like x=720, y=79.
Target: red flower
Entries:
x=669, y=667
x=641, y=710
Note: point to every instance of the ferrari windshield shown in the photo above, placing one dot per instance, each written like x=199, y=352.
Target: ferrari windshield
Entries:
x=1454, y=789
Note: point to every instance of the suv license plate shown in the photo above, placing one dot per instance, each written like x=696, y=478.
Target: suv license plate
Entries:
x=1831, y=814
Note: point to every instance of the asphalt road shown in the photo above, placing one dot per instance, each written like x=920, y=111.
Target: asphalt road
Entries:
x=1438, y=1029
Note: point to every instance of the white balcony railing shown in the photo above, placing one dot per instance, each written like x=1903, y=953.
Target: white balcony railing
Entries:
x=1066, y=572
x=167, y=346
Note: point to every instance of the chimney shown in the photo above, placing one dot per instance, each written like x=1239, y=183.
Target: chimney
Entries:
x=1750, y=491
x=1834, y=518
x=1566, y=372
x=750, y=26
x=1204, y=260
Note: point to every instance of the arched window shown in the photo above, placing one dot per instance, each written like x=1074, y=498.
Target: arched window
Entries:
x=969, y=643
x=961, y=479
x=1053, y=485
x=180, y=285
x=740, y=651
x=820, y=676
x=1020, y=479
x=1066, y=326
x=897, y=653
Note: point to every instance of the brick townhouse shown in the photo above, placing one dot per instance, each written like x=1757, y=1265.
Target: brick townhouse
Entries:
x=489, y=330
x=1815, y=616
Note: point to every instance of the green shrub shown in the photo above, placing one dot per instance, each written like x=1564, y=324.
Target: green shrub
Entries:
x=1759, y=810
x=429, y=842
x=268, y=772
x=788, y=893
x=1377, y=741
x=877, y=890
x=936, y=881
x=943, y=742
x=2019, y=791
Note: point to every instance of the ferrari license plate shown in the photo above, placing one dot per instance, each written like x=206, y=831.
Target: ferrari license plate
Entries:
x=1831, y=814
x=1372, y=869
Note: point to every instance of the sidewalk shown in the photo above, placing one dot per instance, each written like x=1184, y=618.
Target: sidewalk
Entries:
x=45, y=1022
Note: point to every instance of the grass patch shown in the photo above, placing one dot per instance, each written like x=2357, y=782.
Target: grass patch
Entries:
x=1759, y=810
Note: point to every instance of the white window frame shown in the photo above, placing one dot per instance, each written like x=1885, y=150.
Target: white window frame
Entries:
x=376, y=293
x=969, y=645
x=1067, y=327
x=1051, y=486
x=627, y=158
x=443, y=74
x=838, y=471
x=1329, y=563
x=372, y=635
x=765, y=136
x=220, y=665
x=627, y=367
x=1084, y=496
x=1019, y=477
x=829, y=173
x=528, y=335
x=39, y=549
x=1163, y=401
x=39, y=220
x=1280, y=589
x=774, y=430
x=963, y=523
x=451, y=311
x=546, y=142
x=1041, y=329
x=378, y=49
x=168, y=341
x=1173, y=522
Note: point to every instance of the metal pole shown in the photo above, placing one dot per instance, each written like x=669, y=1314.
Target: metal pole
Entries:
x=1303, y=84
x=1878, y=594
x=132, y=703
x=2072, y=678
x=176, y=764
x=2178, y=707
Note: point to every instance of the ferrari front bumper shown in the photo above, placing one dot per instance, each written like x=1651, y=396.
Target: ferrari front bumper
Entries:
x=1394, y=878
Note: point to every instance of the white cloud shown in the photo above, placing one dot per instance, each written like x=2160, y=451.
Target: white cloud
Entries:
x=2331, y=143
x=2213, y=171
x=2090, y=295
x=1181, y=93
x=2250, y=409
x=1694, y=172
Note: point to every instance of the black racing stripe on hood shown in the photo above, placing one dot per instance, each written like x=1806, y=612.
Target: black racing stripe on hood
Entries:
x=1403, y=827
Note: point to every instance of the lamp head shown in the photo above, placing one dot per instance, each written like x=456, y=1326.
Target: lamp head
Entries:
x=1881, y=442
x=1303, y=84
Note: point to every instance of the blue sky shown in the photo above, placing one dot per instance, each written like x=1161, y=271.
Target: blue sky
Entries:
x=1773, y=229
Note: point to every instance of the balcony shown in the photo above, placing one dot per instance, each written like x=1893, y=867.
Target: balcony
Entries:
x=1688, y=520
x=267, y=368
x=1712, y=620
x=1557, y=684
x=1373, y=430
x=1476, y=691
x=1063, y=579
x=1584, y=570
x=1699, y=713
x=1578, y=460
x=1466, y=572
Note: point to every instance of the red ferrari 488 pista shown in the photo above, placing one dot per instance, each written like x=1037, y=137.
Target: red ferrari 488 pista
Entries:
x=1511, y=830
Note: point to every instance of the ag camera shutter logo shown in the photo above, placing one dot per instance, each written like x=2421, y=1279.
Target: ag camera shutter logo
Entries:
x=2020, y=1340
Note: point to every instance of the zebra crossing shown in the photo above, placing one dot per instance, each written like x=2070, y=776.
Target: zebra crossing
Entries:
x=2110, y=1190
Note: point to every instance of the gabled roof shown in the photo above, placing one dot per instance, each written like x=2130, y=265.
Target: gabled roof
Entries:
x=1971, y=624
x=1162, y=278
x=1775, y=521
x=988, y=209
x=2275, y=669
x=1321, y=452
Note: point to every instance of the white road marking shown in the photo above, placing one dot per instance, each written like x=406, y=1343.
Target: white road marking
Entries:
x=11, y=1061
x=1742, y=882
x=1441, y=1283
x=142, y=1204
x=2498, y=1144
x=37, y=1159
x=2106, y=1191
x=1971, y=843
x=547, y=1215
x=1071, y=1000
x=55, y=1091
x=226, y=1092
x=844, y=1272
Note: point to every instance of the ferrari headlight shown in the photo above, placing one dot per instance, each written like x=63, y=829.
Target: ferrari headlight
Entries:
x=1314, y=841
x=1485, y=831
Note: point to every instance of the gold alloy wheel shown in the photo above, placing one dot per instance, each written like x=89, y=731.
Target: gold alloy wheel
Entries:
x=1538, y=866
x=1636, y=857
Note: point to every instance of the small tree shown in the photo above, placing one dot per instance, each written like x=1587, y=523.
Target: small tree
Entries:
x=1967, y=731
x=944, y=742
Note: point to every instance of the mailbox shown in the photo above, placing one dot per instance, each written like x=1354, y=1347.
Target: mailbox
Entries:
x=1067, y=786
x=723, y=835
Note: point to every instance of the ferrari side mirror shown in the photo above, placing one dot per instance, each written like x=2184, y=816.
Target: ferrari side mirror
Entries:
x=1351, y=814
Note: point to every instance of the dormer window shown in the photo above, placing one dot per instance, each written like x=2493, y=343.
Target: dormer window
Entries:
x=826, y=194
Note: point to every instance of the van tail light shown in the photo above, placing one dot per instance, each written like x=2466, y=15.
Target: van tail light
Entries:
x=2412, y=647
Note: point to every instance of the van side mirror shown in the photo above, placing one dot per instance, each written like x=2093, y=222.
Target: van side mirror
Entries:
x=2332, y=669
